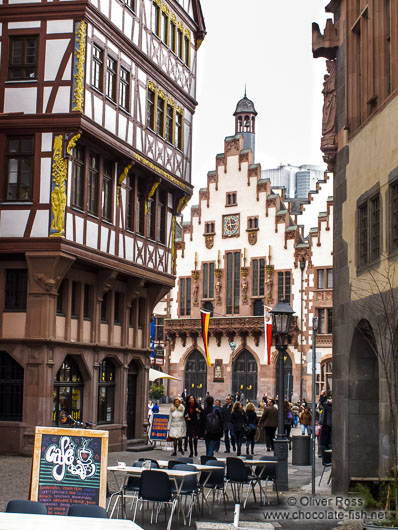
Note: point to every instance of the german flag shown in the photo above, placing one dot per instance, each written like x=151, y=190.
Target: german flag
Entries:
x=205, y=319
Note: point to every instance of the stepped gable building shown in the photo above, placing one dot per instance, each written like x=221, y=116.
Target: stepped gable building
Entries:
x=245, y=246
x=96, y=100
x=359, y=142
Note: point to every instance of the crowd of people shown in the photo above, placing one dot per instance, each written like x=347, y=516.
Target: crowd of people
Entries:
x=236, y=421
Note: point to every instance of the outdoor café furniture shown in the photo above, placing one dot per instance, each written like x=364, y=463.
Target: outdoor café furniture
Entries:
x=215, y=481
x=87, y=510
x=326, y=455
x=267, y=473
x=155, y=487
x=190, y=487
x=25, y=506
x=238, y=476
x=24, y=521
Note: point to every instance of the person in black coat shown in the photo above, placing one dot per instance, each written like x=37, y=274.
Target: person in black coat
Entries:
x=269, y=421
x=238, y=420
x=211, y=438
x=192, y=419
x=252, y=421
x=325, y=440
x=226, y=413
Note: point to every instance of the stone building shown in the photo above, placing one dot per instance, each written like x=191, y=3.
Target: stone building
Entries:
x=247, y=245
x=360, y=140
x=96, y=106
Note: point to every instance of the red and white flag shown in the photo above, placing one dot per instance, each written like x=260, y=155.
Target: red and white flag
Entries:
x=267, y=334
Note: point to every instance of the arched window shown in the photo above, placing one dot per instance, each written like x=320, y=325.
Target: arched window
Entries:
x=11, y=388
x=106, y=392
x=68, y=394
x=240, y=124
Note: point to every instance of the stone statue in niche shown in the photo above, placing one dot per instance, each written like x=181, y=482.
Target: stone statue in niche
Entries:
x=244, y=291
x=195, y=292
x=218, y=292
x=328, y=141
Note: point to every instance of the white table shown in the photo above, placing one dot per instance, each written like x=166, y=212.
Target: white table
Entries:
x=24, y=521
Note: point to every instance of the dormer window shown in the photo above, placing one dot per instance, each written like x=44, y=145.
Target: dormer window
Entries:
x=231, y=199
x=210, y=227
x=252, y=223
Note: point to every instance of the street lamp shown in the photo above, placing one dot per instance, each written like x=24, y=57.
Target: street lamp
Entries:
x=281, y=315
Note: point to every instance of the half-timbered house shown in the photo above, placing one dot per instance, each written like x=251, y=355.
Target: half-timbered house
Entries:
x=96, y=105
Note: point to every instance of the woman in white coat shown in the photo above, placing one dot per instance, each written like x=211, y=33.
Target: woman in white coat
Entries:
x=177, y=425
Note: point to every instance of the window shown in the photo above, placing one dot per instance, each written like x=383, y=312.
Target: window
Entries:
x=161, y=236
x=107, y=190
x=16, y=289
x=62, y=298
x=156, y=17
x=105, y=304
x=210, y=227
x=106, y=392
x=185, y=297
x=130, y=202
x=208, y=280
x=118, y=308
x=325, y=279
x=159, y=328
x=111, y=66
x=124, y=88
x=11, y=388
x=252, y=223
x=231, y=199
x=133, y=314
x=325, y=321
x=141, y=313
x=324, y=379
x=369, y=231
x=75, y=302
x=130, y=4
x=98, y=65
x=23, y=58
x=165, y=27
x=169, y=122
x=284, y=283
x=173, y=34
x=160, y=105
x=187, y=49
x=67, y=394
x=394, y=215
x=258, y=277
x=233, y=282
x=88, y=301
x=78, y=171
x=140, y=220
x=92, y=184
x=180, y=43
x=150, y=121
x=152, y=218
x=20, y=158
x=179, y=129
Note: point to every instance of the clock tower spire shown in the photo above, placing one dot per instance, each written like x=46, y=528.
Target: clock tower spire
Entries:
x=245, y=122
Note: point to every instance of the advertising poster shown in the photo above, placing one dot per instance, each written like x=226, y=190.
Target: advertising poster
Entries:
x=69, y=467
x=159, y=427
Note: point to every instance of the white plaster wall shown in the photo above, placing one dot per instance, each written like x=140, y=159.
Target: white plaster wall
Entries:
x=40, y=224
x=59, y=26
x=13, y=222
x=45, y=180
x=55, y=50
x=20, y=99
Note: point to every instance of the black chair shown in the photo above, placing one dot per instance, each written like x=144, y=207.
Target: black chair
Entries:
x=326, y=462
x=238, y=476
x=204, y=459
x=23, y=506
x=267, y=473
x=216, y=481
x=184, y=459
x=172, y=463
x=189, y=487
x=155, y=487
x=87, y=510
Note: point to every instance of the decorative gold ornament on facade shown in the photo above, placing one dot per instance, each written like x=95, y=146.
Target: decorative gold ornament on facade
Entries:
x=58, y=194
x=218, y=274
x=79, y=61
x=72, y=143
x=165, y=9
x=158, y=170
x=152, y=86
x=209, y=241
x=244, y=271
x=268, y=283
x=252, y=237
x=150, y=195
x=195, y=288
x=122, y=178
x=182, y=204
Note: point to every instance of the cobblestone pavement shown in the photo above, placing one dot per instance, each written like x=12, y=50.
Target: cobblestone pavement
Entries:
x=15, y=480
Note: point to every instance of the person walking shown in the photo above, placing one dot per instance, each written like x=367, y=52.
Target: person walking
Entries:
x=192, y=419
x=211, y=426
x=306, y=421
x=238, y=420
x=287, y=420
x=325, y=441
x=269, y=421
x=296, y=410
x=177, y=427
x=252, y=421
x=226, y=414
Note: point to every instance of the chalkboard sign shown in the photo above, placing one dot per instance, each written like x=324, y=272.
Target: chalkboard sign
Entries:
x=159, y=427
x=69, y=467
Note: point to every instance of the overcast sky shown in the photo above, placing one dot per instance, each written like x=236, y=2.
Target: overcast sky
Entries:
x=267, y=45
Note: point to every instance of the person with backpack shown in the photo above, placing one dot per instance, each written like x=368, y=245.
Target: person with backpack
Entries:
x=211, y=426
x=239, y=421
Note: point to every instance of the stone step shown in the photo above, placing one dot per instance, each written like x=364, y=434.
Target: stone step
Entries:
x=136, y=441
x=139, y=448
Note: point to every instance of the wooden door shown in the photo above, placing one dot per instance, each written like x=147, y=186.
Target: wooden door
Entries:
x=196, y=375
x=245, y=376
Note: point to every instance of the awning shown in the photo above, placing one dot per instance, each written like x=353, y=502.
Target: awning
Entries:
x=156, y=374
